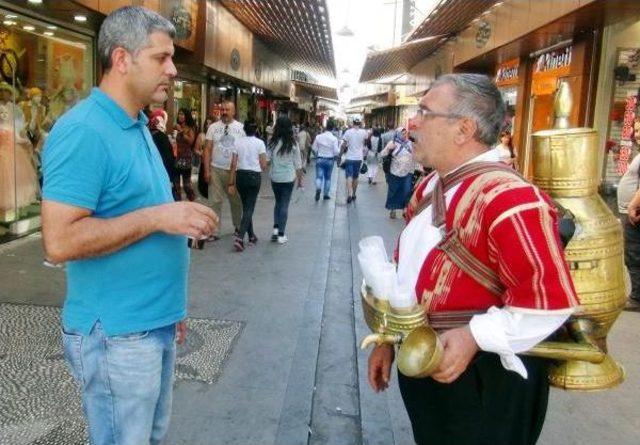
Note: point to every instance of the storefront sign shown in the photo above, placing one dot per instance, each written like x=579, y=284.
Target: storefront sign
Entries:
x=507, y=73
x=626, y=141
x=548, y=69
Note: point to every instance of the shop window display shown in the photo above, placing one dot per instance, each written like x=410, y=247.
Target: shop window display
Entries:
x=44, y=71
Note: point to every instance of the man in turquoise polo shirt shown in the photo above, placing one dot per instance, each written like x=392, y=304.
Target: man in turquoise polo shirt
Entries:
x=108, y=213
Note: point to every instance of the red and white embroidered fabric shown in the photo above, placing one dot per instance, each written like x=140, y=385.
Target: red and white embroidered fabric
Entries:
x=509, y=225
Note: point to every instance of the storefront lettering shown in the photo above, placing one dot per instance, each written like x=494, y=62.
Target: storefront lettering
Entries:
x=626, y=134
x=554, y=60
x=507, y=73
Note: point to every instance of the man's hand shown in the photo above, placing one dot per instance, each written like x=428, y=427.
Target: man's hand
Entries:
x=181, y=332
x=231, y=189
x=380, y=362
x=185, y=218
x=459, y=349
x=634, y=212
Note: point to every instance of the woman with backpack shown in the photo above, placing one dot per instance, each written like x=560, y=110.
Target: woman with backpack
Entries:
x=286, y=168
x=398, y=164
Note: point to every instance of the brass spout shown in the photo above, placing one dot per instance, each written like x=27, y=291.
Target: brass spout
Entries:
x=380, y=339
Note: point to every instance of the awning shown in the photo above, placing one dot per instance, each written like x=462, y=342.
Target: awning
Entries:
x=450, y=17
x=317, y=90
x=298, y=30
x=398, y=60
x=447, y=19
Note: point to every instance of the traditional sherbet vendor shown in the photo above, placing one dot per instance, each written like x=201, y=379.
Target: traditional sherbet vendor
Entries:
x=482, y=251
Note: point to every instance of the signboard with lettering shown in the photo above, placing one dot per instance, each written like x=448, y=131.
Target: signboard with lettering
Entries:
x=507, y=73
x=548, y=68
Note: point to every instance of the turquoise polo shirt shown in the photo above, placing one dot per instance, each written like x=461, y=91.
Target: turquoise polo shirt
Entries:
x=97, y=157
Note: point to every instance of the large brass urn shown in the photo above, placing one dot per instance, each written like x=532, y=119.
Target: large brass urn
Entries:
x=565, y=165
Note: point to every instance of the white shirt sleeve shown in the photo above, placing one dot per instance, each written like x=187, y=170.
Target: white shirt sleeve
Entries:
x=506, y=333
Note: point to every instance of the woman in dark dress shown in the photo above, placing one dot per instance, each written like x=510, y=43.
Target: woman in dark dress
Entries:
x=158, y=128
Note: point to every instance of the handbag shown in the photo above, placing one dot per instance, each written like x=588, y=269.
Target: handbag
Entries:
x=342, y=161
x=183, y=164
x=203, y=187
x=363, y=168
x=386, y=162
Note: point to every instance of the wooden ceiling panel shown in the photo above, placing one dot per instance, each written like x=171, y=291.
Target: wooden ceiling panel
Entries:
x=298, y=30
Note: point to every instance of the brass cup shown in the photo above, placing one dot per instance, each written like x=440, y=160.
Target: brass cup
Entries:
x=420, y=353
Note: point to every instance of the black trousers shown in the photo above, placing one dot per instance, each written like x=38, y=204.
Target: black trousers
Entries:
x=487, y=405
x=248, y=185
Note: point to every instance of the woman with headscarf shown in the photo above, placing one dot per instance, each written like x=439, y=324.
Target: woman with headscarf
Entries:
x=399, y=177
x=158, y=128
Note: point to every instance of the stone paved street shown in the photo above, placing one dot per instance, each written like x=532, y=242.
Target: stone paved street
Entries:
x=294, y=374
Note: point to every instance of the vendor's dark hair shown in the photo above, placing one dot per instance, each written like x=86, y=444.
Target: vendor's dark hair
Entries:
x=188, y=119
x=250, y=127
x=282, y=132
x=331, y=125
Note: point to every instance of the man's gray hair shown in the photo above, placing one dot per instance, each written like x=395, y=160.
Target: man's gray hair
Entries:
x=129, y=28
x=478, y=98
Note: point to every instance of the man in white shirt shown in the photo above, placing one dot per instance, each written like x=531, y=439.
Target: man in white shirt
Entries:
x=354, y=144
x=482, y=392
x=326, y=147
x=219, y=174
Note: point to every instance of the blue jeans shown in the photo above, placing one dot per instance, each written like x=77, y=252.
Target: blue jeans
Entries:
x=324, y=167
x=282, y=192
x=126, y=383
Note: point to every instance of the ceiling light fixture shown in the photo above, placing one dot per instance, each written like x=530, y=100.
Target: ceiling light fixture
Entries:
x=35, y=2
x=10, y=16
x=48, y=33
x=28, y=27
x=8, y=23
x=80, y=18
x=52, y=27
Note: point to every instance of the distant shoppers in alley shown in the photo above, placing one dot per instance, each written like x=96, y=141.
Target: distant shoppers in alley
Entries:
x=286, y=168
x=185, y=135
x=304, y=142
x=353, y=144
x=250, y=159
x=158, y=128
x=108, y=214
x=402, y=167
x=325, y=147
x=221, y=139
x=375, y=147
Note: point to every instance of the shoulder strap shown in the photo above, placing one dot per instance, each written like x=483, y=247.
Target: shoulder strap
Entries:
x=451, y=244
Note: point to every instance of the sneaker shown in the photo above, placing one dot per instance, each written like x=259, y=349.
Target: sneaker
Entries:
x=325, y=197
x=238, y=244
x=253, y=240
x=349, y=199
x=282, y=239
x=317, y=195
x=274, y=235
x=353, y=198
x=370, y=181
x=392, y=214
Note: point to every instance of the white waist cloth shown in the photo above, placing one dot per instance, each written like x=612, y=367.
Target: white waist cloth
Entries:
x=500, y=330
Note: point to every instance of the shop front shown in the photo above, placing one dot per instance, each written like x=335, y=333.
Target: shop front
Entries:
x=44, y=70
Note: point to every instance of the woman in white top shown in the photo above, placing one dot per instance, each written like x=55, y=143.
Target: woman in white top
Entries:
x=372, y=155
x=402, y=167
x=505, y=147
x=250, y=158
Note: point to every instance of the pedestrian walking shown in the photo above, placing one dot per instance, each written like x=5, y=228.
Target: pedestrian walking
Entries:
x=158, y=127
x=185, y=135
x=505, y=147
x=629, y=206
x=304, y=142
x=286, y=169
x=221, y=139
x=353, y=145
x=375, y=142
x=400, y=173
x=325, y=147
x=251, y=159
x=108, y=212
x=482, y=392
